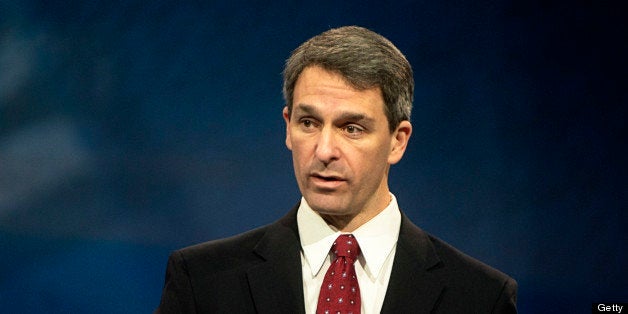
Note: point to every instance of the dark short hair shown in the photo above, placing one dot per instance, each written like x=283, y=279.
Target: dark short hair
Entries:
x=365, y=59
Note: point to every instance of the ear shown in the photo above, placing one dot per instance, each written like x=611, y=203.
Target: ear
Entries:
x=286, y=117
x=399, y=142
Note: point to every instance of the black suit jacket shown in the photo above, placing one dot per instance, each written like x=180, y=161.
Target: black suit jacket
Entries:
x=260, y=272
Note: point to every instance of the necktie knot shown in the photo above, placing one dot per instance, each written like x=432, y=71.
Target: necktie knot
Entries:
x=346, y=246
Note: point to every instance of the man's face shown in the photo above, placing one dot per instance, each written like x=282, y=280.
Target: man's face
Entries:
x=341, y=145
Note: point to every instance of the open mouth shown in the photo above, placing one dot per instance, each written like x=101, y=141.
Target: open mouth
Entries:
x=327, y=178
x=326, y=182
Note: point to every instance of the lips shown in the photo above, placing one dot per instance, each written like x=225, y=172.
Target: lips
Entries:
x=327, y=177
x=326, y=181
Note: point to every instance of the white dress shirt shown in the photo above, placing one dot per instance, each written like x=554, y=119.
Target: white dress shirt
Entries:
x=377, y=239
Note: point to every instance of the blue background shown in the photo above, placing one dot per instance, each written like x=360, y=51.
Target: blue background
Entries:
x=131, y=128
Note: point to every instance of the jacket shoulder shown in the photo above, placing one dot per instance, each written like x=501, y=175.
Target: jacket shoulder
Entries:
x=461, y=263
x=481, y=285
x=223, y=253
x=468, y=285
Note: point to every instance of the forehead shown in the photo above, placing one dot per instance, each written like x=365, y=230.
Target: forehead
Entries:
x=319, y=87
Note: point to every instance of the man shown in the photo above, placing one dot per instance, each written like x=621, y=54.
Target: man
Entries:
x=345, y=247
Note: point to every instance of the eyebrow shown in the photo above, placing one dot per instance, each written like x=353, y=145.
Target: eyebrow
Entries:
x=308, y=109
x=346, y=115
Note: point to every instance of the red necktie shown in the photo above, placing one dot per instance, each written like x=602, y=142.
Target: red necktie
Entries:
x=340, y=292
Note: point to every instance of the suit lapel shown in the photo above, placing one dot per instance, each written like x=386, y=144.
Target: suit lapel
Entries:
x=413, y=288
x=276, y=283
x=277, y=287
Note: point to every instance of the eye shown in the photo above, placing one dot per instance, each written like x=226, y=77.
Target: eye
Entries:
x=353, y=129
x=307, y=124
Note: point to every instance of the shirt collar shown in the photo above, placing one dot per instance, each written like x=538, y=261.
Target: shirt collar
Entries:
x=377, y=237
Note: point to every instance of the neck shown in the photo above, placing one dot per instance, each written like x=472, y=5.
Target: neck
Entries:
x=349, y=223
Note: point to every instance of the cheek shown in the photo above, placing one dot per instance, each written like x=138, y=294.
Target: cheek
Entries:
x=369, y=163
x=300, y=152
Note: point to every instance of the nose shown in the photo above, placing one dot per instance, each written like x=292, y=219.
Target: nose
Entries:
x=327, y=149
